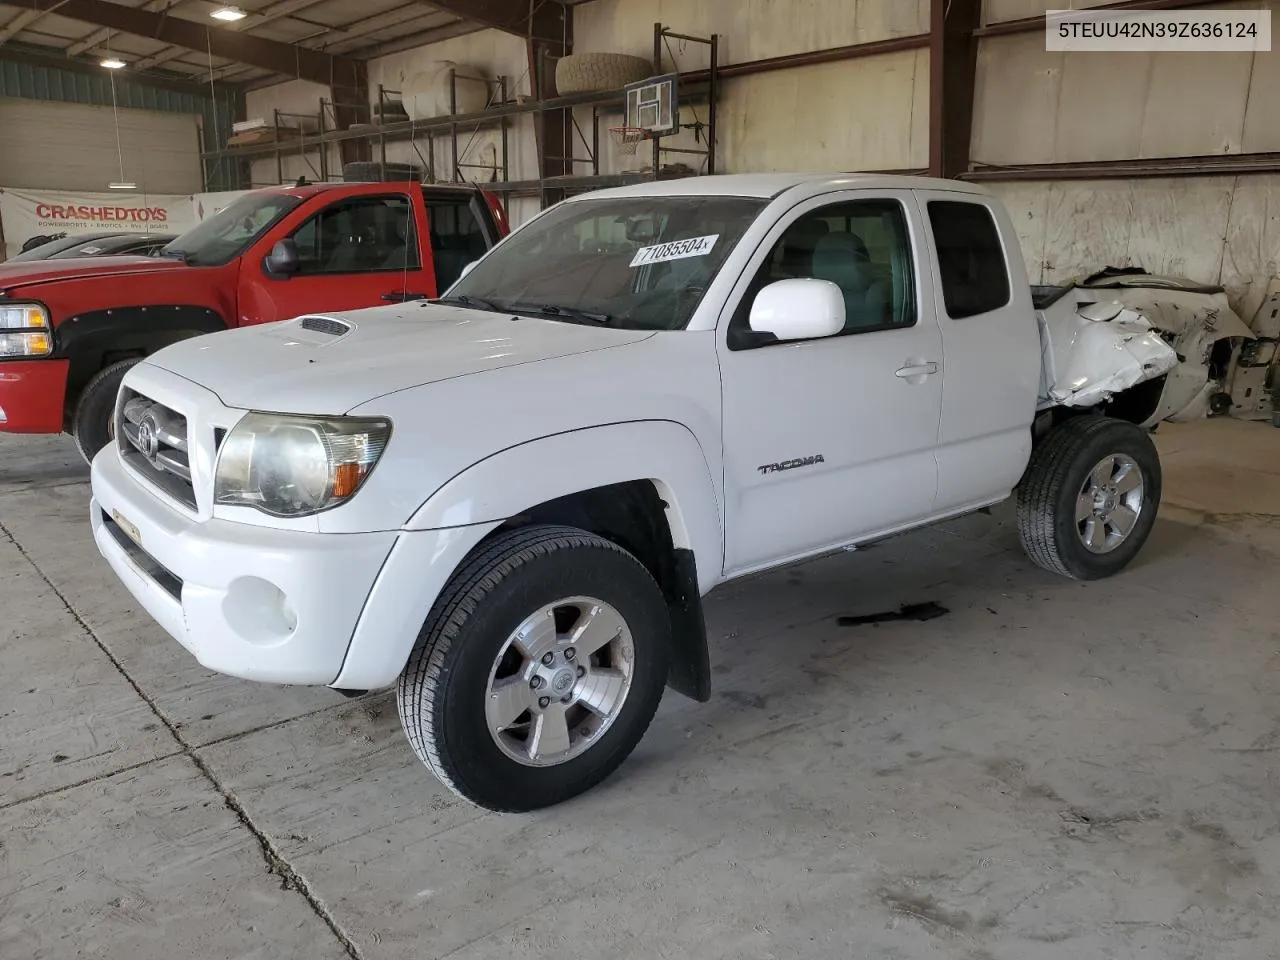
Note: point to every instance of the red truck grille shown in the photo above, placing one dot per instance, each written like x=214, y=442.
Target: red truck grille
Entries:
x=153, y=442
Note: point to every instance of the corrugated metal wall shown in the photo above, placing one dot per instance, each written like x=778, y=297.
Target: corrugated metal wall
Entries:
x=32, y=82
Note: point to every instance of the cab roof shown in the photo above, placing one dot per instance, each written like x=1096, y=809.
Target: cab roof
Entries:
x=311, y=189
x=766, y=186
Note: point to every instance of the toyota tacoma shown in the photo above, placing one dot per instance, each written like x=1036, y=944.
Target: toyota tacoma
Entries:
x=509, y=502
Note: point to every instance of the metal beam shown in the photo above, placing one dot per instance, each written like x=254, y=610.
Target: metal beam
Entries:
x=1206, y=166
x=255, y=51
x=21, y=22
x=854, y=51
x=553, y=129
x=953, y=63
x=99, y=36
x=273, y=12
x=546, y=22
x=459, y=28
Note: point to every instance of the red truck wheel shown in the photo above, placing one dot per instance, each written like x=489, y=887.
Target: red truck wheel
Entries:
x=92, y=425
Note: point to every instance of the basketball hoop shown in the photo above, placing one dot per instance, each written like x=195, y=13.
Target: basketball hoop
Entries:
x=625, y=139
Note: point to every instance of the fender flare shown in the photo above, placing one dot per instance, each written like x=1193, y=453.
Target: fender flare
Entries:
x=89, y=339
x=663, y=452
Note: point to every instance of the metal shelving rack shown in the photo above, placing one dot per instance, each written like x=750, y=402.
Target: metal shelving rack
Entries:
x=496, y=116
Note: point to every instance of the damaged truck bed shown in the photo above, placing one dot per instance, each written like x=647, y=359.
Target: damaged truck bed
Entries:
x=1103, y=335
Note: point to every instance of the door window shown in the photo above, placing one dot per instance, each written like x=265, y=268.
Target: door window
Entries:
x=359, y=235
x=971, y=264
x=861, y=246
x=457, y=238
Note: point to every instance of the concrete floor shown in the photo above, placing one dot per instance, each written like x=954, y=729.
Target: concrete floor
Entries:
x=1051, y=770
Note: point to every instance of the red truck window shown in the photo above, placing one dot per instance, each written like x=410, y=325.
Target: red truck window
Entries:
x=359, y=235
x=457, y=237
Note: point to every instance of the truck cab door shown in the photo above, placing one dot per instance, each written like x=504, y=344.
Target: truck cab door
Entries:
x=461, y=228
x=358, y=251
x=992, y=346
x=831, y=440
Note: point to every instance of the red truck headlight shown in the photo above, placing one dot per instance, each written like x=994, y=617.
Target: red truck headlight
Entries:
x=24, y=330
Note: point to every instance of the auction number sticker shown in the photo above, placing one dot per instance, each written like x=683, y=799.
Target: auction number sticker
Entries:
x=674, y=250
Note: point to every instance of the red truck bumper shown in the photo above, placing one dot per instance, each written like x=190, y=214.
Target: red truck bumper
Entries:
x=32, y=395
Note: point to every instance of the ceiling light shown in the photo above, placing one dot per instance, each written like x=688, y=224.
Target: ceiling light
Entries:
x=113, y=63
x=229, y=14
x=121, y=185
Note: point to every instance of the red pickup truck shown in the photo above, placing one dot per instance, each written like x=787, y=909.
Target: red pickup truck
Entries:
x=70, y=329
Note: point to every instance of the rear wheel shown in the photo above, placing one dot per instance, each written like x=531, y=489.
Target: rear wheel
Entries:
x=92, y=425
x=539, y=669
x=1089, y=498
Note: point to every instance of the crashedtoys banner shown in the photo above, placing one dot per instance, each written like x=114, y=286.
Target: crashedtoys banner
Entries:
x=31, y=213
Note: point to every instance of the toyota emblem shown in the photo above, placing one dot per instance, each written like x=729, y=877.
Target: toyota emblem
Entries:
x=148, y=438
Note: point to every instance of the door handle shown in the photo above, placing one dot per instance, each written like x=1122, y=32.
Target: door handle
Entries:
x=916, y=370
x=395, y=296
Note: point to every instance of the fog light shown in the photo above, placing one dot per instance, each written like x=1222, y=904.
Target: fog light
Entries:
x=259, y=612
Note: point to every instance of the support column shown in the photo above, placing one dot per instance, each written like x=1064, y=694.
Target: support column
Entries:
x=953, y=62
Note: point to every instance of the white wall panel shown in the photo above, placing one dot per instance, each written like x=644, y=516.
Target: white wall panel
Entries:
x=749, y=29
x=1015, y=109
x=996, y=11
x=1213, y=229
x=864, y=114
x=72, y=146
x=1194, y=105
x=1262, y=105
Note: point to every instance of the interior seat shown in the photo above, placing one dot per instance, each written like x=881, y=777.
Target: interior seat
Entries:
x=842, y=258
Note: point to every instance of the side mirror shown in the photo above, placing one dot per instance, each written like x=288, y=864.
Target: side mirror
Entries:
x=798, y=309
x=283, y=258
x=468, y=268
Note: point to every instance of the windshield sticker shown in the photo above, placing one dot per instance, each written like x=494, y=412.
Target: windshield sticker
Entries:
x=675, y=250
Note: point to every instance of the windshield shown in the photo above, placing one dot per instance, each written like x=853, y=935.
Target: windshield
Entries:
x=230, y=231
x=46, y=250
x=636, y=262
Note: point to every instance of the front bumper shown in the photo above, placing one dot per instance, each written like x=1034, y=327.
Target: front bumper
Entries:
x=279, y=606
x=33, y=395
x=253, y=602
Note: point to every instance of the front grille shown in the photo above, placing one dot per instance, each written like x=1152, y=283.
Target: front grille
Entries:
x=153, y=443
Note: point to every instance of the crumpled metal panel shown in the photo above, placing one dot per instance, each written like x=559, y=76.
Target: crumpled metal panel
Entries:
x=1095, y=349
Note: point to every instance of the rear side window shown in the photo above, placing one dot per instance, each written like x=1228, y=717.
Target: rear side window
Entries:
x=975, y=277
x=457, y=238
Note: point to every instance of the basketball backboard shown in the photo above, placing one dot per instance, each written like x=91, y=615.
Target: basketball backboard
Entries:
x=652, y=106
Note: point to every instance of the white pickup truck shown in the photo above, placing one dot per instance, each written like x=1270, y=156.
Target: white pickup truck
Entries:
x=510, y=501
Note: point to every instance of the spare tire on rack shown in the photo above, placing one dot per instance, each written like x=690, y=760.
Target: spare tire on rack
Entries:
x=373, y=171
x=594, y=72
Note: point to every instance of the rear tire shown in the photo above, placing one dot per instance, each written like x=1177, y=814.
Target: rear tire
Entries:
x=1089, y=497
x=92, y=424
x=543, y=626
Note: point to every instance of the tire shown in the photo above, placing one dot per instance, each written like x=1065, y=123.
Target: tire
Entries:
x=445, y=693
x=1053, y=489
x=91, y=425
x=595, y=72
x=372, y=171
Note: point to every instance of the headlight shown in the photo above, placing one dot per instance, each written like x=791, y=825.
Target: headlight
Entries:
x=24, y=330
x=294, y=466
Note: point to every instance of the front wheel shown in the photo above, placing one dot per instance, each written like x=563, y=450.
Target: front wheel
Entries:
x=92, y=426
x=538, y=670
x=1089, y=498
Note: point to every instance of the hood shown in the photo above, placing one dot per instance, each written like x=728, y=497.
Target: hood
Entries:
x=329, y=364
x=15, y=276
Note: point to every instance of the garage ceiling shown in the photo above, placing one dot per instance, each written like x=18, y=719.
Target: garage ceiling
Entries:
x=276, y=40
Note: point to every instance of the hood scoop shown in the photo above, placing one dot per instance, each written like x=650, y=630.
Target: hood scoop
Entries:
x=325, y=325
